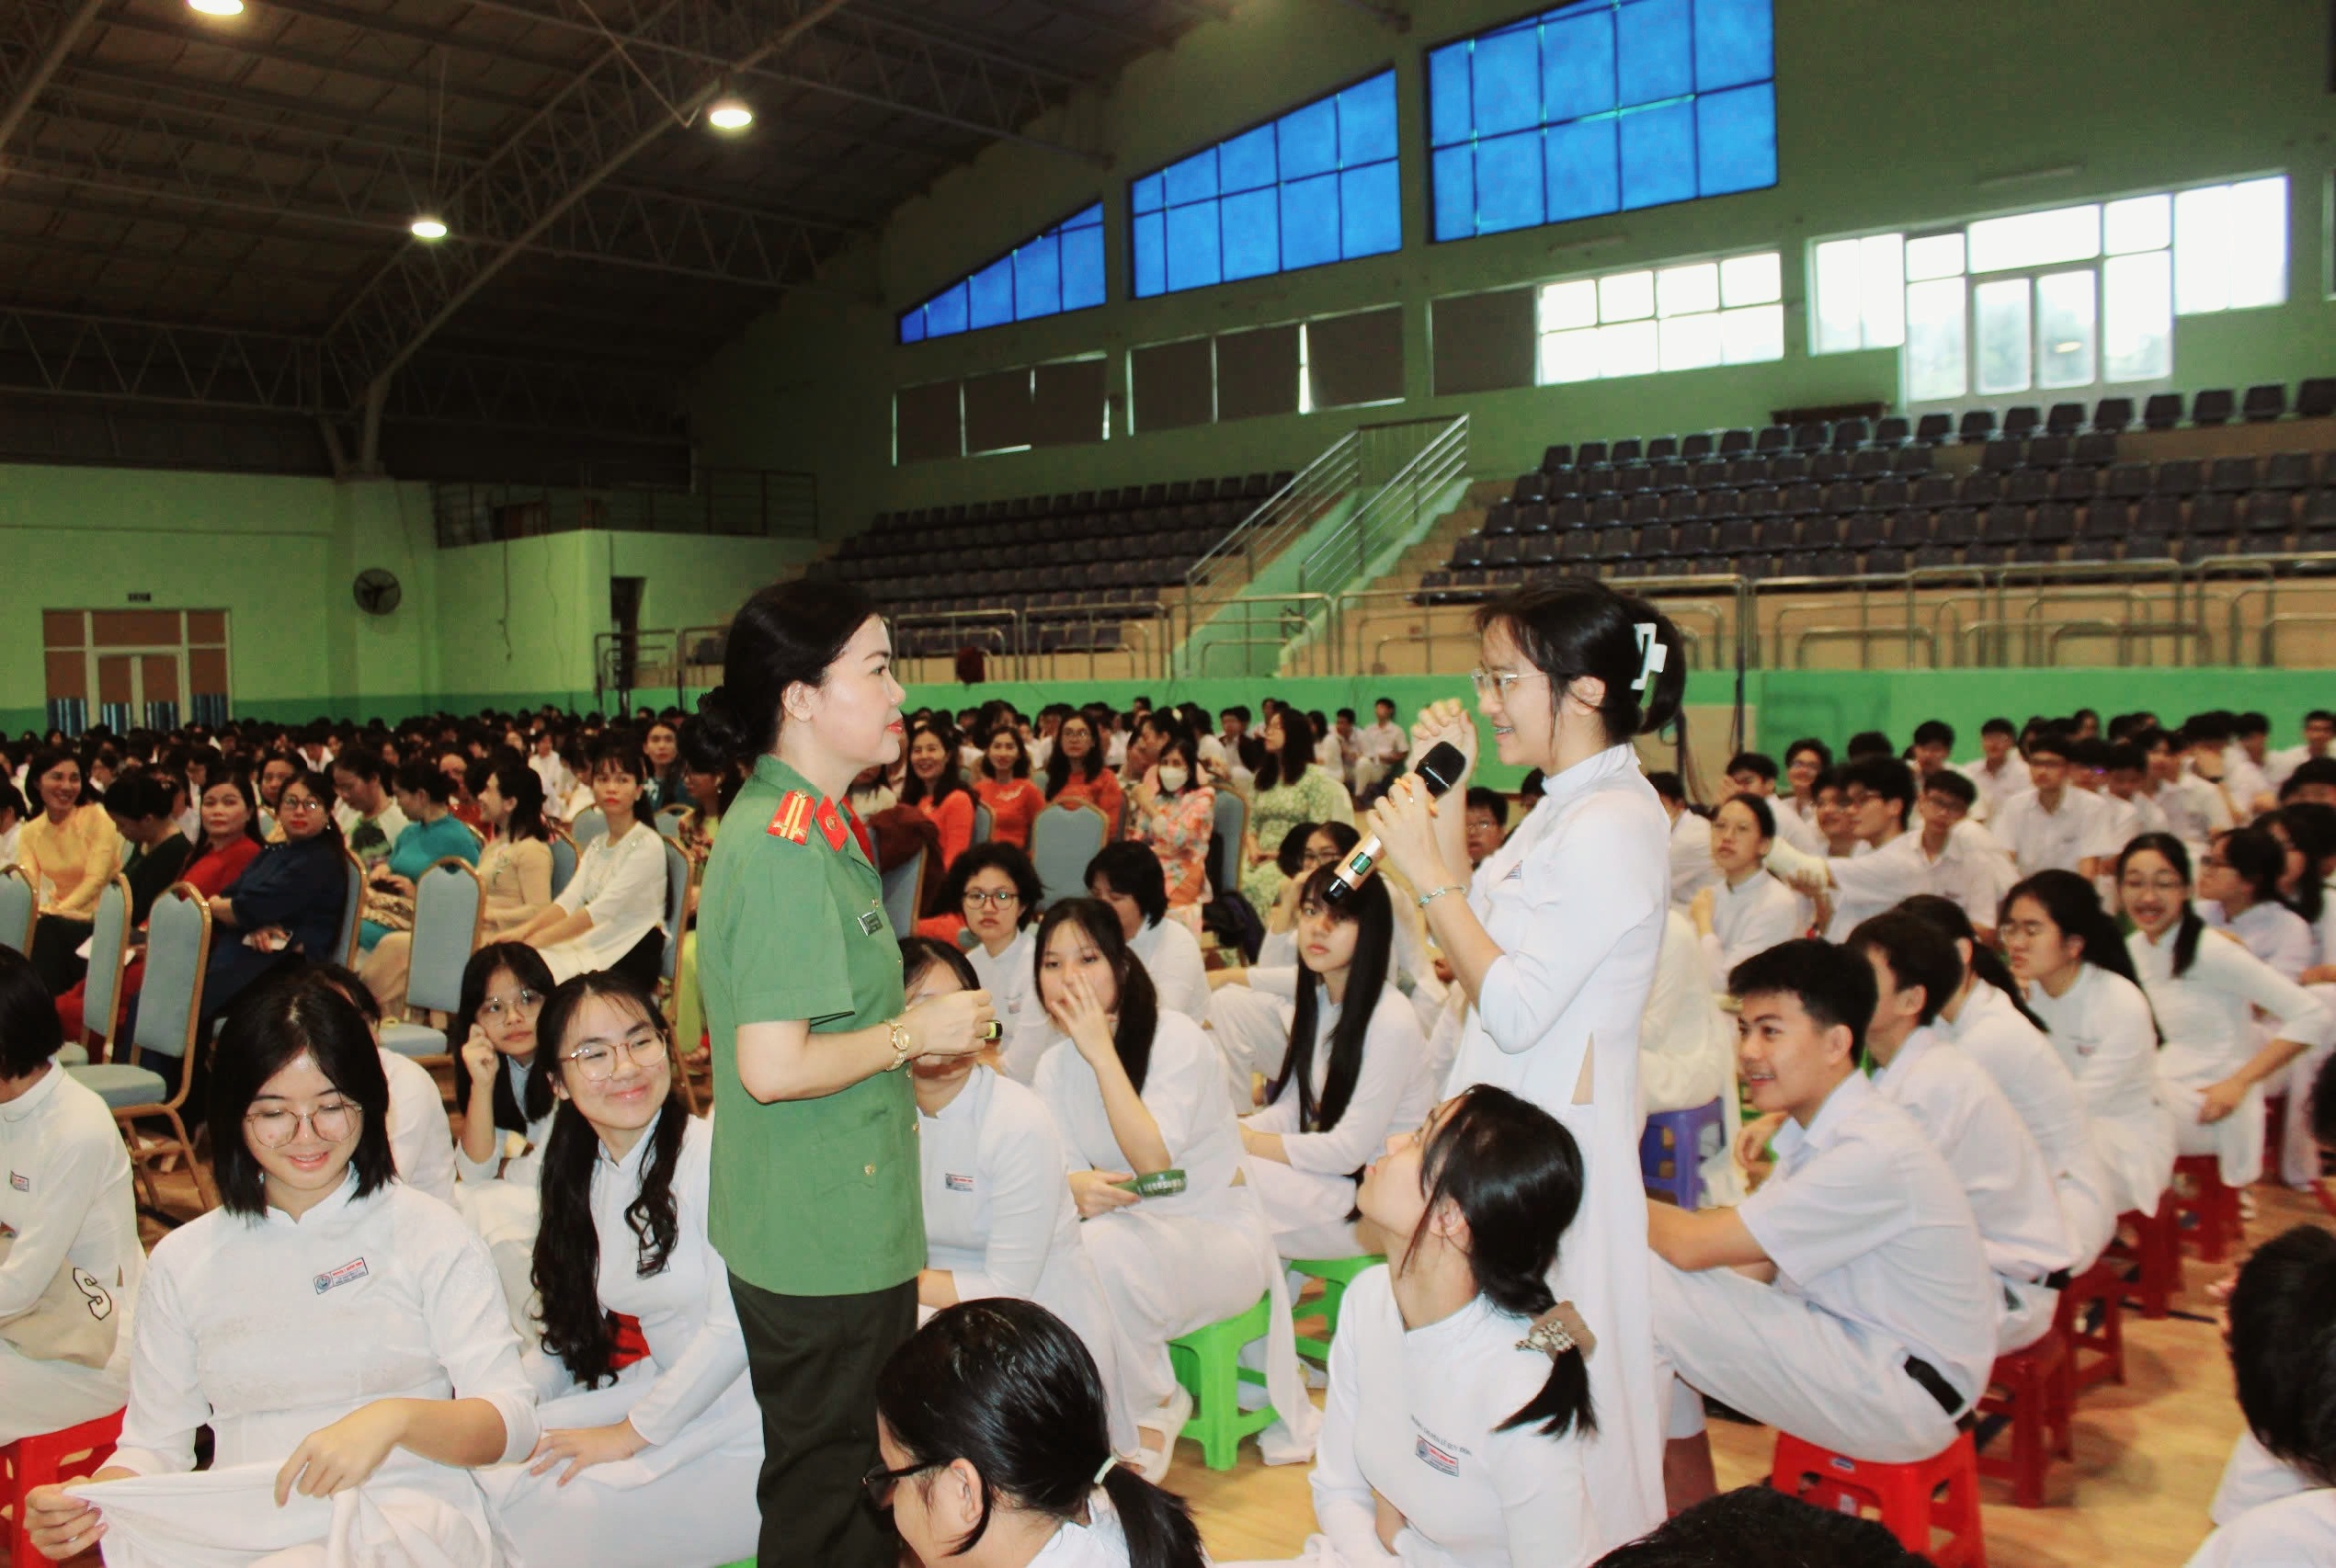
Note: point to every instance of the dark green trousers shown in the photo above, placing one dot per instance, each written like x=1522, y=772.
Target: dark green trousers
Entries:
x=813, y=1361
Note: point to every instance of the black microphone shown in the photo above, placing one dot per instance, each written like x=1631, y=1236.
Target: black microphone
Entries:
x=1440, y=770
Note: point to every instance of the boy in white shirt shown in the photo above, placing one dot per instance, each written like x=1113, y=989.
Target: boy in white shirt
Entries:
x=1381, y=748
x=1999, y=772
x=2319, y=740
x=2054, y=826
x=1753, y=773
x=1849, y=1301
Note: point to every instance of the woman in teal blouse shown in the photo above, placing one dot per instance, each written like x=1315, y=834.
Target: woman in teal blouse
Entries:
x=432, y=833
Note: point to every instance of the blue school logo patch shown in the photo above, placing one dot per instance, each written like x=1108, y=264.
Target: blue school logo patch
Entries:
x=956, y=1183
x=346, y=1274
x=1434, y=1458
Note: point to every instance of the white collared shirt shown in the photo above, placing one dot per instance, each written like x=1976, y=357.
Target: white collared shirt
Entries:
x=2018, y=1056
x=1748, y=917
x=1863, y=1219
x=1984, y=1142
x=2102, y=1029
x=1875, y=879
x=2079, y=828
x=1391, y=1090
x=2272, y=932
x=622, y=883
x=1998, y=787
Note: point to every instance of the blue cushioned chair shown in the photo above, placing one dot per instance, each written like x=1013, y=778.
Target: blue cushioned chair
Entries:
x=450, y=917
x=169, y=1007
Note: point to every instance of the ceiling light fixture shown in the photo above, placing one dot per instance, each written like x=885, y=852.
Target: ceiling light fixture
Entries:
x=728, y=112
x=429, y=226
x=217, y=7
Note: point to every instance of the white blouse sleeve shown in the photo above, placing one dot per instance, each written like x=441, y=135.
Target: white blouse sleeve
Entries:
x=1181, y=979
x=1544, y=1497
x=75, y=1173
x=1023, y=1171
x=166, y=1402
x=717, y=1352
x=1582, y=898
x=1342, y=1500
x=1392, y=1051
x=471, y=1331
x=2224, y=963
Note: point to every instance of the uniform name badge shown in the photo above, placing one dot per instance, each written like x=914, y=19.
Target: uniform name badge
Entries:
x=871, y=921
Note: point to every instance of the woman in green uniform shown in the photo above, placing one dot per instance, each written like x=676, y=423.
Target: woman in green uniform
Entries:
x=815, y=1204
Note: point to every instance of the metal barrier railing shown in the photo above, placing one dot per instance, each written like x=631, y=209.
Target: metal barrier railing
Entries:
x=1439, y=456
x=737, y=502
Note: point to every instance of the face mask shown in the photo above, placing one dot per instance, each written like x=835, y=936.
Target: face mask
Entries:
x=1173, y=778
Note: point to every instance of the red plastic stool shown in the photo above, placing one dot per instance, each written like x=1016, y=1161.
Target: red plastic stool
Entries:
x=2156, y=1252
x=2033, y=1387
x=2095, y=1355
x=2215, y=1205
x=41, y=1460
x=1902, y=1494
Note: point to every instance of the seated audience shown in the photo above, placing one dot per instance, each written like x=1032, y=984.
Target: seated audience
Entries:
x=613, y=912
x=290, y=900
x=141, y=806
x=1127, y=877
x=1848, y=1301
x=1172, y=811
x=1004, y=786
x=991, y=896
x=1076, y=770
x=1350, y=1076
x=936, y=788
x=997, y=1451
x=999, y=1218
x=369, y=820
x=1690, y=840
x=1687, y=1053
x=506, y=1107
x=421, y=1138
x=73, y=1218
x=651, y=1438
x=1749, y=909
x=334, y=1329
x=432, y=833
x=2238, y=893
x=69, y=851
x=1289, y=789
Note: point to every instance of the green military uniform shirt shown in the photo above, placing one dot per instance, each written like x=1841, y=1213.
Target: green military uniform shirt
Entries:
x=817, y=1196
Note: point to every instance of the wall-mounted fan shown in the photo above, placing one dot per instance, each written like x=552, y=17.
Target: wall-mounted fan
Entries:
x=377, y=591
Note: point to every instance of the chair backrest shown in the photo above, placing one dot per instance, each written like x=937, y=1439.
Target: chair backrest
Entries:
x=170, y=1004
x=1231, y=815
x=19, y=906
x=904, y=892
x=983, y=821
x=563, y=856
x=450, y=918
x=267, y=824
x=352, y=909
x=108, y=957
x=1064, y=838
x=668, y=823
x=589, y=825
x=677, y=904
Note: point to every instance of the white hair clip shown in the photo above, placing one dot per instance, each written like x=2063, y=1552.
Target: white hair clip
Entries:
x=1109, y=1461
x=1653, y=655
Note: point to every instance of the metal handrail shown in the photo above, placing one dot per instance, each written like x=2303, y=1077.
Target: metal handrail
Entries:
x=1332, y=564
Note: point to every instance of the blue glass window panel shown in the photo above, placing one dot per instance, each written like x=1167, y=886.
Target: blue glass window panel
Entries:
x=990, y=292
x=1506, y=82
x=1585, y=176
x=1658, y=156
x=1194, y=179
x=1653, y=52
x=945, y=311
x=1147, y=194
x=1246, y=162
x=912, y=326
x=1450, y=118
x=1454, y=175
x=1193, y=246
x=1252, y=235
x=1151, y=255
x=1310, y=221
x=1735, y=138
x=1309, y=140
x=1735, y=42
x=1090, y=219
x=1577, y=64
x=1367, y=121
x=1369, y=210
x=1038, y=278
x=1509, y=182
x=1082, y=268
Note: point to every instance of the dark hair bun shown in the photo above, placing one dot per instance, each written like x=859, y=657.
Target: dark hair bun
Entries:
x=719, y=726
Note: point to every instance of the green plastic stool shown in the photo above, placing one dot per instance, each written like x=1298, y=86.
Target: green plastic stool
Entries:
x=1208, y=1363
x=1336, y=1274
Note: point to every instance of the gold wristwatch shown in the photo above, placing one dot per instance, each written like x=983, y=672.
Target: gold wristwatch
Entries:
x=903, y=1045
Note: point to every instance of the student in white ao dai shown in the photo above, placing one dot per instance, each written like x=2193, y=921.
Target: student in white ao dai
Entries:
x=341, y=1334
x=995, y=889
x=651, y=1440
x=999, y=1218
x=1459, y=1394
x=1351, y=1075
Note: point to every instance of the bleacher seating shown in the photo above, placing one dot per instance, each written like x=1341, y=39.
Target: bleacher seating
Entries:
x=1821, y=502
x=1065, y=570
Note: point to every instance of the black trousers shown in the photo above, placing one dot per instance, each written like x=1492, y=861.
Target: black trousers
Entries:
x=54, y=955
x=813, y=1361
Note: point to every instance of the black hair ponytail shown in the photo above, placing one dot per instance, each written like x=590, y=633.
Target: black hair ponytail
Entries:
x=1374, y=917
x=1948, y=917
x=1515, y=1175
x=1139, y=1003
x=566, y=1273
x=1005, y=1385
x=2194, y=925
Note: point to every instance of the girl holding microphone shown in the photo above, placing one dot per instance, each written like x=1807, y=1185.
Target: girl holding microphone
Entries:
x=1554, y=942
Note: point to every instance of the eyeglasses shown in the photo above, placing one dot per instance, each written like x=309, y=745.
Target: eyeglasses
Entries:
x=880, y=1482
x=496, y=1009
x=1314, y=857
x=1001, y=897
x=1489, y=681
x=332, y=1123
x=298, y=803
x=598, y=1063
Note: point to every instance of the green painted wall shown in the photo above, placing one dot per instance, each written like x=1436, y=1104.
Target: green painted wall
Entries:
x=1888, y=115
x=485, y=625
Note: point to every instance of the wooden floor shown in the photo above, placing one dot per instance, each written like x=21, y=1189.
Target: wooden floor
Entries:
x=2147, y=1454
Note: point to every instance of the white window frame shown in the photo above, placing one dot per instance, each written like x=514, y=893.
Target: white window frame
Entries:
x=1604, y=338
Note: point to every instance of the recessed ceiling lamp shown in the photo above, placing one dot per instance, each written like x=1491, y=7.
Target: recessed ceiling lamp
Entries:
x=217, y=7
x=429, y=226
x=729, y=112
